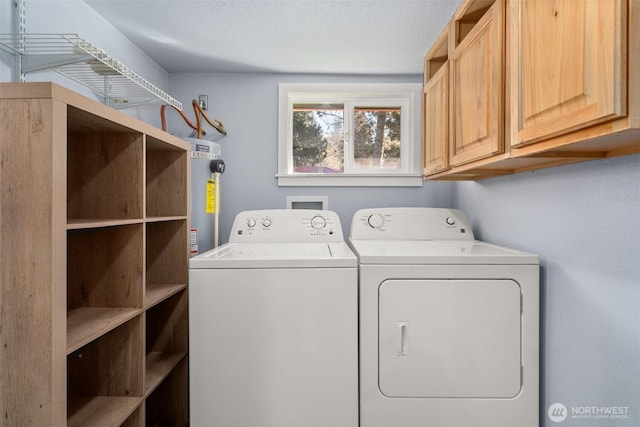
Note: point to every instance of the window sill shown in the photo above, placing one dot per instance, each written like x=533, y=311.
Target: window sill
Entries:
x=301, y=180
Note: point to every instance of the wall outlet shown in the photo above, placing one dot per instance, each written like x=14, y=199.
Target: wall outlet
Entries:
x=203, y=101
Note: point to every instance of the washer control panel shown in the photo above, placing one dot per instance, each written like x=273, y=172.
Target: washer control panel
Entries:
x=286, y=225
x=410, y=224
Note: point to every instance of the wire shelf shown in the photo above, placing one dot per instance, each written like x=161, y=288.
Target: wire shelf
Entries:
x=86, y=64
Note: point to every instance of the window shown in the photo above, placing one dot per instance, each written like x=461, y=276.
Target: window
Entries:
x=349, y=134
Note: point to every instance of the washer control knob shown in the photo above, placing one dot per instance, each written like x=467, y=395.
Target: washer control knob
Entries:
x=266, y=222
x=450, y=221
x=318, y=222
x=375, y=221
x=251, y=223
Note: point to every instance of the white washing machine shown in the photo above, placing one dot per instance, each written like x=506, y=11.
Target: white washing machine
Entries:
x=273, y=315
x=448, y=324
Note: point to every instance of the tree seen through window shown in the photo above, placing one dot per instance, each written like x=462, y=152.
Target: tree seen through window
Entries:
x=319, y=138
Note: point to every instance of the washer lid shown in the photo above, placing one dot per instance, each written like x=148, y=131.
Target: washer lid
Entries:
x=437, y=252
x=276, y=255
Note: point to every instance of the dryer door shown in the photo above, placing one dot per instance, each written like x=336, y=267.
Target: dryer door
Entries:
x=450, y=338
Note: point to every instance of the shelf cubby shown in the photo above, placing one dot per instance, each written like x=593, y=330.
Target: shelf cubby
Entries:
x=437, y=57
x=104, y=377
x=166, y=344
x=104, y=175
x=166, y=180
x=467, y=19
x=166, y=259
x=104, y=280
x=165, y=406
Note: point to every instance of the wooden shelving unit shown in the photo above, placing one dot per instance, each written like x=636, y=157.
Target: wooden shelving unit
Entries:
x=94, y=260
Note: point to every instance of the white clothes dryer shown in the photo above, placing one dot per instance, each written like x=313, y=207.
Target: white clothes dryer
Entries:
x=449, y=325
x=273, y=320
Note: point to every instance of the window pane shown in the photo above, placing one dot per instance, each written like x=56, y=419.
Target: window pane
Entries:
x=318, y=138
x=377, y=137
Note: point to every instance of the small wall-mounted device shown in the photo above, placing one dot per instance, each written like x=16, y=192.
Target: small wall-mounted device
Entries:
x=203, y=101
x=308, y=202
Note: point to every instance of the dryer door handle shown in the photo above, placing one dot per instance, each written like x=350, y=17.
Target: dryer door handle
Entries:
x=403, y=338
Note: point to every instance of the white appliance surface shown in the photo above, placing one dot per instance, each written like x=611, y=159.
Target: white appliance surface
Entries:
x=272, y=255
x=448, y=324
x=273, y=324
x=438, y=252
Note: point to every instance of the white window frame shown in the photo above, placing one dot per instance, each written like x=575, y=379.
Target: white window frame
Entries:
x=406, y=95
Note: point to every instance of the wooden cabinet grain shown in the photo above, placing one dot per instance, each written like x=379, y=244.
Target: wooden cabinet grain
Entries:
x=94, y=251
x=436, y=107
x=569, y=66
x=464, y=89
x=570, y=88
x=477, y=69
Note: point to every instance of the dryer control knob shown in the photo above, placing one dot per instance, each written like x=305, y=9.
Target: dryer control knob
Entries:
x=450, y=221
x=266, y=222
x=318, y=222
x=375, y=221
x=251, y=223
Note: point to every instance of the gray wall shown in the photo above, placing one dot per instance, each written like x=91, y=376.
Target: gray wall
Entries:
x=247, y=104
x=584, y=222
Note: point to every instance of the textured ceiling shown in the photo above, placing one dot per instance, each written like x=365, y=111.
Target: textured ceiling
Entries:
x=282, y=36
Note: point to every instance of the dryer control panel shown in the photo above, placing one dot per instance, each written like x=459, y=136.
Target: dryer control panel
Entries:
x=410, y=224
x=286, y=226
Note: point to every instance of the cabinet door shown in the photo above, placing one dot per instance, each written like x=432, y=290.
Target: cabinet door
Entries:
x=436, y=122
x=477, y=111
x=568, y=66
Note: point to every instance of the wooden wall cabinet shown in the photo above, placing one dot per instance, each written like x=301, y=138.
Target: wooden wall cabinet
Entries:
x=436, y=107
x=569, y=66
x=571, y=89
x=94, y=263
x=464, y=89
x=477, y=69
